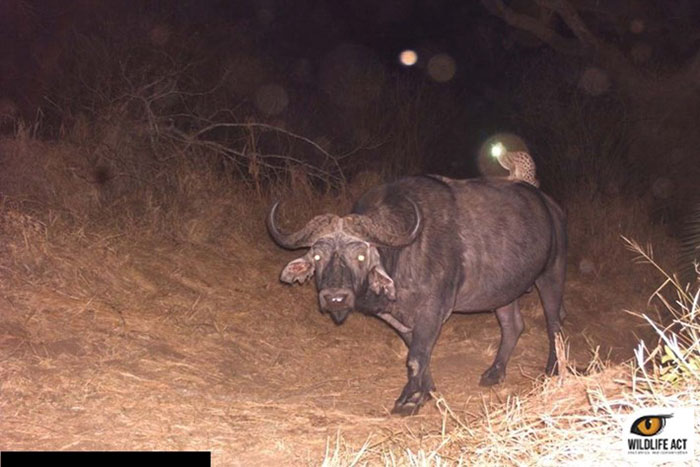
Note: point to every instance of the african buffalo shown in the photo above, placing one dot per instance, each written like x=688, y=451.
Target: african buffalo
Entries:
x=413, y=251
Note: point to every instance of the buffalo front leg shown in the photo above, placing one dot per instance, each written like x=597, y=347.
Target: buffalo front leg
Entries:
x=511, y=322
x=420, y=381
x=427, y=380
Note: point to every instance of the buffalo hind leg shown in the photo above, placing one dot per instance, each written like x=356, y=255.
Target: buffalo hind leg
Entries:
x=551, y=288
x=420, y=381
x=512, y=326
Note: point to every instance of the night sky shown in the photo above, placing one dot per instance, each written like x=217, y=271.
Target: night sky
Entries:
x=35, y=34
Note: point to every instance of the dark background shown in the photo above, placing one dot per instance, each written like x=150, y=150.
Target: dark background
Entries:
x=614, y=103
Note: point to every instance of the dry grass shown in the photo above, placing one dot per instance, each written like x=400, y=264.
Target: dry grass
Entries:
x=144, y=312
x=595, y=223
x=134, y=315
x=572, y=419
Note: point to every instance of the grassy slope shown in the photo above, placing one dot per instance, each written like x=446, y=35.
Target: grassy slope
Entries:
x=148, y=316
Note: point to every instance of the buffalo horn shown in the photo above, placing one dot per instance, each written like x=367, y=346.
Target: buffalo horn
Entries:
x=377, y=233
x=303, y=238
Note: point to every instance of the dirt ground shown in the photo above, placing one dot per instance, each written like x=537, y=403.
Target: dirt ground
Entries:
x=115, y=343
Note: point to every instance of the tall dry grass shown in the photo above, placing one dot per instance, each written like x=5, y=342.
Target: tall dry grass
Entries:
x=595, y=223
x=141, y=92
x=55, y=199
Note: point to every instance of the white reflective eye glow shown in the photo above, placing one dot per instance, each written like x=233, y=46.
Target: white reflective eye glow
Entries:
x=317, y=257
x=361, y=257
x=497, y=150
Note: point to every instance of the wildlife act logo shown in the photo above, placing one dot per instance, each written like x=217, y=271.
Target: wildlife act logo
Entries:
x=659, y=433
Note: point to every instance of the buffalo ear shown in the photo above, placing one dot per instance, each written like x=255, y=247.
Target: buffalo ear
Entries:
x=381, y=283
x=298, y=270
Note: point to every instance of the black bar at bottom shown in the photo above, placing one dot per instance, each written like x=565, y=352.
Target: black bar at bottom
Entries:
x=105, y=458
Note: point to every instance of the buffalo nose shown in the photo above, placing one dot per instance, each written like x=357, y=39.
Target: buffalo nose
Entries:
x=339, y=298
x=335, y=298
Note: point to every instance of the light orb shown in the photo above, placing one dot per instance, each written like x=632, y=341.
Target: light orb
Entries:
x=408, y=57
x=441, y=68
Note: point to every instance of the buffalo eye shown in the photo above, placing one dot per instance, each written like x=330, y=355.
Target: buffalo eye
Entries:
x=317, y=257
x=360, y=258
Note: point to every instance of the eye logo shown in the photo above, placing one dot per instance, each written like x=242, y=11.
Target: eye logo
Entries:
x=649, y=425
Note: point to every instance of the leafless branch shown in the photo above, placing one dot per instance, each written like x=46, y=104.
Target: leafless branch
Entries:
x=573, y=21
x=247, y=159
x=534, y=26
x=265, y=126
x=608, y=55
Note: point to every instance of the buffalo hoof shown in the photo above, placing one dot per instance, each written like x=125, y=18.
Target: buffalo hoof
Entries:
x=494, y=375
x=411, y=406
x=405, y=410
x=552, y=370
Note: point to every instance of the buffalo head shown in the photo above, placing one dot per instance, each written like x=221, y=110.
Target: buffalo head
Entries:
x=343, y=256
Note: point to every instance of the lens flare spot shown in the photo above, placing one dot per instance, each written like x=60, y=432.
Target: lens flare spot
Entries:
x=586, y=266
x=271, y=99
x=573, y=152
x=159, y=35
x=662, y=188
x=637, y=26
x=8, y=109
x=641, y=52
x=352, y=75
x=594, y=81
x=360, y=258
x=441, y=68
x=266, y=16
x=408, y=57
x=317, y=257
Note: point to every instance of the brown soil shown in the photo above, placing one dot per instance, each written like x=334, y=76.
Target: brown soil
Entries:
x=116, y=343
